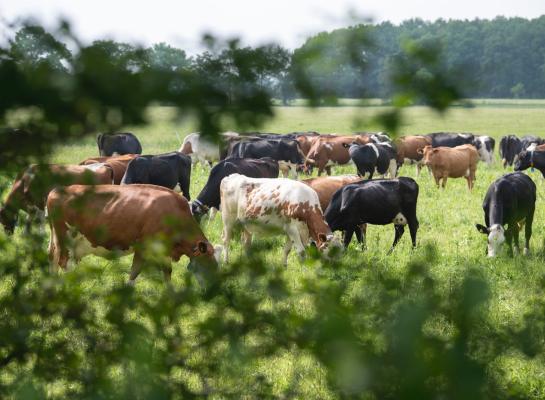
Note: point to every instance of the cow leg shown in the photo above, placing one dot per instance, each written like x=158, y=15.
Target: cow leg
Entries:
x=328, y=170
x=437, y=180
x=444, y=184
x=516, y=238
x=509, y=240
x=226, y=237
x=418, y=169
x=212, y=214
x=287, y=249
x=413, y=229
x=528, y=232
x=392, y=170
x=136, y=267
x=361, y=234
x=58, y=252
x=399, y=229
x=295, y=236
x=347, y=237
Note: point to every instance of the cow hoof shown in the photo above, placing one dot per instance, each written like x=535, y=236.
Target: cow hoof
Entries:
x=526, y=251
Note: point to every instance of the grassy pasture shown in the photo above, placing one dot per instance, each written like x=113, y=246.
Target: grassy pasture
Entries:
x=447, y=219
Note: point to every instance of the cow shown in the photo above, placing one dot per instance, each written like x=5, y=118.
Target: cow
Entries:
x=408, y=150
x=371, y=157
x=110, y=218
x=262, y=204
x=376, y=202
x=209, y=197
x=306, y=141
x=511, y=146
x=110, y=144
x=446, y=139
x=455, y=162
x=201, y=149
x=531, y=158
x=485, y=147
x=509, y=201
x=330, y=150
x=31, y=187
x=117, y=163
x=285, y=151
x=167, y=170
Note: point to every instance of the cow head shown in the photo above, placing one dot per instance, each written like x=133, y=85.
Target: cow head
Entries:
x=496, y=237
x=427, y=154
x=329, y=245
x=198, y=209
x=524, y=160
x=204, y=262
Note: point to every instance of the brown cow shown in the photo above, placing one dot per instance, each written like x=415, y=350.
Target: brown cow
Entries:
x=408, y=148
x=452, y=162
x=325, y=186
x=117, y=163
x=30, y=190
x=329, y=150
x=133, y=218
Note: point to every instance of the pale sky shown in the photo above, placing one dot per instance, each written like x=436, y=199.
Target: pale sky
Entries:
x=288, y=22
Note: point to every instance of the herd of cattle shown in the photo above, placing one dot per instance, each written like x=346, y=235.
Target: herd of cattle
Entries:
x=121, y=199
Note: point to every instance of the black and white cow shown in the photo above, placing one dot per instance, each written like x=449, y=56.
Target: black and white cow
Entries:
x=510, y=147
x=376, y=202
x=529, y=140
x=209, y=197
x=531, y=158
x=167, y=170
x=286, y=152
x=371, y=157
x=110, y=144
x=510, y=201
x=485, y=147
x=446, y=139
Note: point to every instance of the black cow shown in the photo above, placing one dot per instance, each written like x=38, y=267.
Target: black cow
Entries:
x=445, y=139
x=376, y=202
x=373, y=156
x=286, y=152
x=165, y=170
x=209, y=197
x=531, y=159
x=510, y=201
x=118, y=143
x=510, y=147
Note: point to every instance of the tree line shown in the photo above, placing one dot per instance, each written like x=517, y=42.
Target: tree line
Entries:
x=499, y=58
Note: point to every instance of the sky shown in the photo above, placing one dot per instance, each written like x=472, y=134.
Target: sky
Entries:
x=182, y=23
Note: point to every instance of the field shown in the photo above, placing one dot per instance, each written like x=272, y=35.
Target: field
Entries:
x=447, y=223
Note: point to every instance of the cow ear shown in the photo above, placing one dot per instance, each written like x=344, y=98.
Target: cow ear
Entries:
x=322, y=237
x=203, y=247
x=482, y=229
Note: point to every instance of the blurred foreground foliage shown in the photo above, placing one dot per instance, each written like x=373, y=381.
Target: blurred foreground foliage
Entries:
x=369, y=332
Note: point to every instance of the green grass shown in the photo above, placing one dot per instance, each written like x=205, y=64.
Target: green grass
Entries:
x=447, y=219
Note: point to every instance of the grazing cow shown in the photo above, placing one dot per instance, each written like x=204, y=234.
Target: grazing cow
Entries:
x=262, y=204
x=455, y=162
x=117, y=163
x=371, y=157
x=167, y=170
x=445, y=139
x=110, y=144
x=510, y=201
x=109, y=218
x=330, y=150
x=376, y=202
x=510, y=147
x=325, y=186
x=202, y=150
x=531, y=158
x=285, y=151
x=209, y=197
x=408, y=148
x=485, y=147
x=29, y=192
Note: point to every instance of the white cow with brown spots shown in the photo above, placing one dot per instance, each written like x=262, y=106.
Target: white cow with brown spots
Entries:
x=263, y=204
